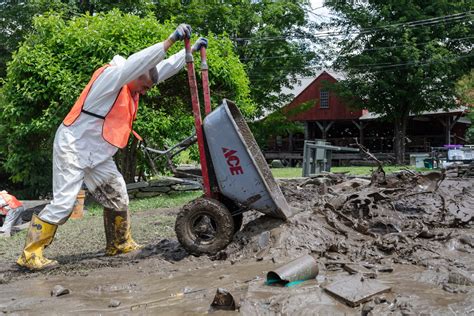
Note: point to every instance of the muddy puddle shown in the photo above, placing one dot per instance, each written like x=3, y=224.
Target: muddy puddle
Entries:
x=406, y=239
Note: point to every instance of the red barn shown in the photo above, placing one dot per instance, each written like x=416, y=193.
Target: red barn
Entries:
x=325, y=116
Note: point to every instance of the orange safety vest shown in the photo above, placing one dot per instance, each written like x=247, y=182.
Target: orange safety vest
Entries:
x=118, y=121
x=10, y=200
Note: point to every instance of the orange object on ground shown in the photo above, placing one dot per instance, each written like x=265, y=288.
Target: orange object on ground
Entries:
x=10, y=200
x=78, y=210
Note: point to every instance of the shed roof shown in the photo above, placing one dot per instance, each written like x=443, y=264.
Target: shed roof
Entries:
x=460, y=109
x=304, y=82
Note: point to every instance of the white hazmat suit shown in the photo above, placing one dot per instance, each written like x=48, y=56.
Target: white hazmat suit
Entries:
x=81, y=154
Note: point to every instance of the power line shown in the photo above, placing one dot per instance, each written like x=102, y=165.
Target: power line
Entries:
x=378, y=67
x=430, y=61
x=432, y=21
x=365, y=49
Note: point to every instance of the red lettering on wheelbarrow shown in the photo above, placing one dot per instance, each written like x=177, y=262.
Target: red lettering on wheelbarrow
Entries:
x=233, y=161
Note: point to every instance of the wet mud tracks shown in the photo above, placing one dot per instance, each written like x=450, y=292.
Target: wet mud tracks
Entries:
x=410, y=233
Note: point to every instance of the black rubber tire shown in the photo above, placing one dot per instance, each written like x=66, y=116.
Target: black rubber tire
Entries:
x=238, y=219
x=220, y=220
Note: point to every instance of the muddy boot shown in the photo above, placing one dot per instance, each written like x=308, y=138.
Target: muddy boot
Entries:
x=40, y=234
x=117, y=232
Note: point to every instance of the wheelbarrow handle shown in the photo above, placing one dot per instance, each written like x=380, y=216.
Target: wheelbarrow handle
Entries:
x=205, y=81
x=197, y=117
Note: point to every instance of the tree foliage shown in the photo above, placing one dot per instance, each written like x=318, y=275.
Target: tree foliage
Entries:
x=465, y=90
x=396, y=66
x=16, y=21
x=17, y=17
x=55, y=62
x=272, y=38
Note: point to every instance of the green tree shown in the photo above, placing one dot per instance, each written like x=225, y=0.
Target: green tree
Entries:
x=17, y=17
x=136, y=7
x=55, y=62
x=272, y=38
x=465, y=88
x=403, y=57
x=16, y=21
x=465, y=91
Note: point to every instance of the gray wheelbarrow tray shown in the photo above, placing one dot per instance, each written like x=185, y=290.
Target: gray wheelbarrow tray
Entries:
x=240, y=168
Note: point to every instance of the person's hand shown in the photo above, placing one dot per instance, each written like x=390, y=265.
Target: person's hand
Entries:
x=202, y=42
x=182, y=31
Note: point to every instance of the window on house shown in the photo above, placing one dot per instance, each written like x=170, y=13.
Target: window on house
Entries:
x=324, y=99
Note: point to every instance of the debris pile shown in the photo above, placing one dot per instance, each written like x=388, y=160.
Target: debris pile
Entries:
x=387, y=244
x=366, y=226
x=461, y=170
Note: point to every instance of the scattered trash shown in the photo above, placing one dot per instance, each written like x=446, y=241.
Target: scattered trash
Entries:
x=294, y=272
x=385, y=269
x=407, y=228
x=114, y=303
x=59, y=290
x=354, y=290
x=223, y=300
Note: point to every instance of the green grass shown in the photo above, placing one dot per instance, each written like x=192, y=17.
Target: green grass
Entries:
x=160, y=201
x=357, y=171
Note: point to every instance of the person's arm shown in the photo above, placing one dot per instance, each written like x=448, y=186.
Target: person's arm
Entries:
x=123, y=70
x=172, y=65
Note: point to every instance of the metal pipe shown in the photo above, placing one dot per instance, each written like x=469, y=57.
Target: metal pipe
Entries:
x=301, y=269
x=336, y=148
x=197, y=117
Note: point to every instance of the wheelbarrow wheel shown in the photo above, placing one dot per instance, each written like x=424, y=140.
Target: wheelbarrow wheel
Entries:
x=204, y=226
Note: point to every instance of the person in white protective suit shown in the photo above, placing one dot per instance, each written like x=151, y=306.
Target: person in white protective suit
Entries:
x=99, y=123
x=12, y=209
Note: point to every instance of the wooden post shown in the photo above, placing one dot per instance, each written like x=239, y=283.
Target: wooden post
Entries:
x=448, y=126
x=306, y=130
x=361, y=125
x=324, y=126
x=290, y=141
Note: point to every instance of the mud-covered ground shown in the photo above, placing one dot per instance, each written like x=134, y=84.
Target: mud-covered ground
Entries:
x=408, y=231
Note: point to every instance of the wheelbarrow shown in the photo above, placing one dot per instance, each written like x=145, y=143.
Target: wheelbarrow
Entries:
x=235, y=175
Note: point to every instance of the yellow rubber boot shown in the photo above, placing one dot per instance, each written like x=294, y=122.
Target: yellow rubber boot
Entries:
x=117, y=232
x=40, y=235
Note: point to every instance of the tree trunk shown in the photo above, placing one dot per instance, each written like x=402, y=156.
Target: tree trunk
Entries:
x=400, y=128
x=127, y=161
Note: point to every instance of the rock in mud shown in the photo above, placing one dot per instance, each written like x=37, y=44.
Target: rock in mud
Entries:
x=114, y=303
x=460, y=278
x=223, y=300
x=59, y=290
x=468, y=240
x=385, y=269
x=380, y=299
x=5, y=278
x=367, y=308
x=356, y=268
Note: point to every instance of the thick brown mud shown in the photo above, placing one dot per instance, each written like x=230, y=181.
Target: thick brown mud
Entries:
x=410, y=232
